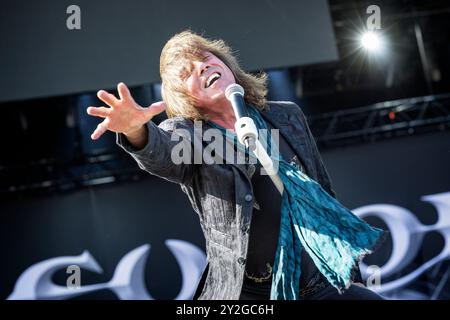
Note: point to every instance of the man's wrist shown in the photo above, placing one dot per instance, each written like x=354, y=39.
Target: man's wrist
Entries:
x=137, y=138
x=135, y=133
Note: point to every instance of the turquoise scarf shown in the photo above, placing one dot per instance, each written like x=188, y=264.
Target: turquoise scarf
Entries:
x=331, y=234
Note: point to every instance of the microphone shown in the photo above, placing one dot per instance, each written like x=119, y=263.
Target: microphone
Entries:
x=248, y=134
x=245, y=127
x=235, y=94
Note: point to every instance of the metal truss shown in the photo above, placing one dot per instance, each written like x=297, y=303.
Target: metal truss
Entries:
x=382, y=120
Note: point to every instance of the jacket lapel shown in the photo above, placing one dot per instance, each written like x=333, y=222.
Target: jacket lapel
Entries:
x=292, y=130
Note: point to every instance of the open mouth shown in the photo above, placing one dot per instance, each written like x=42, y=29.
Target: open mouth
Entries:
x=212, y=78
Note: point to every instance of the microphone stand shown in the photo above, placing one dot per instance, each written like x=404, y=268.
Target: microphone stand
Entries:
x=248, y=135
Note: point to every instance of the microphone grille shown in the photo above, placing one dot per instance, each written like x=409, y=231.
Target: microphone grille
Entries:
x=232, y=89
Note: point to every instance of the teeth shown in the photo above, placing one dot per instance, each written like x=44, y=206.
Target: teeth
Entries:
x=212, y=78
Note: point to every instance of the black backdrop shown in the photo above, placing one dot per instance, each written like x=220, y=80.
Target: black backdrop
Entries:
x=122, y=40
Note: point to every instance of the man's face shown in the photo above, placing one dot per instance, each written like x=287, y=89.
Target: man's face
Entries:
x=208, y=80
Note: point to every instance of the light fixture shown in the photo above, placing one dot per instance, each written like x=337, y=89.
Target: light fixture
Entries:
x=371, y=41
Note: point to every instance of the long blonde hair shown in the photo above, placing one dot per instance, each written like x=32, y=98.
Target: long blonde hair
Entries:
x=175, y=64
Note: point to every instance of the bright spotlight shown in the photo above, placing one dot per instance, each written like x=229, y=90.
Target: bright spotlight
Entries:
x=371, y=41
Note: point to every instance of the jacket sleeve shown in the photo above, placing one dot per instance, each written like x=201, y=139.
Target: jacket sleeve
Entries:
x=317, y=158
x=155, y=157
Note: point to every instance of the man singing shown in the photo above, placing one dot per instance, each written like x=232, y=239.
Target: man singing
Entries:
x=260, y=245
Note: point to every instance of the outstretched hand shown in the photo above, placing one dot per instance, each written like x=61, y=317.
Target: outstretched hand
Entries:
x=122, y=115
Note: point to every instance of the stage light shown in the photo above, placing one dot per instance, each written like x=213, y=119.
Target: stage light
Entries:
x=371, y=41
x=391, y=115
